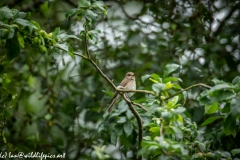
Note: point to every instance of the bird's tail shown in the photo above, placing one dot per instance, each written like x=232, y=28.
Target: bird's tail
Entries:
x=111, y=106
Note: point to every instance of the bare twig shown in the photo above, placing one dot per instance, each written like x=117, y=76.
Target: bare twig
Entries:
x=138, y=91
x=195, y=85
x=161, y=129
x=99, y=70
x=86, y=41
x=139, y=105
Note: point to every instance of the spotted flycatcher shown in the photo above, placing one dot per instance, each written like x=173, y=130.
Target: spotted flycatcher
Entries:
x=128, y=83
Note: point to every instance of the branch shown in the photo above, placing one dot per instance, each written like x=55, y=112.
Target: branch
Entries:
x=86, y=41
x=139, y=105
x=195, y=85
x=139, y=120
x=96, y=66
x=138, y=91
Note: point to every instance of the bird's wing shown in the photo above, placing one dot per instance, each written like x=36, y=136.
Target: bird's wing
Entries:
x=114, y=96
x=124, y=82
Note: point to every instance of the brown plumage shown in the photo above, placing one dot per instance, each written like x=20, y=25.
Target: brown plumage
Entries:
x=127, y=83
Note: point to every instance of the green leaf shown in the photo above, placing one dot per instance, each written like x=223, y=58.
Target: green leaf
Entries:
x=235, y=151
x=90, y=15
x=95, y=31
x=142, y=151
x=70, y=36
x=98, y=4
x=62, y=46
x=92, y=37
x=177, y=132
x=210, y=109
x=172, y=102
x=21, y=40
x=166, y=115
x=5, y=13
x=148, y=138
x=155, y=130
x=25, y=23
x=122, y=120
x=217, y=81
x=184, y=93
x=56, y=33
x=129, y=114
x=224, y=95
x=220, y=87
x=101, y=6
x=113, y=137
x=21, y=21
x=157, y=87
x=11, y=30
x=177, y=86
x=22, y=15
x=83, y=33
x=226, y=108
x=226, y=154
x=179, y=110
x=210, y=120
x=143, y=78
x=170, y=68
x=229, y=125
x=70, y=51
x=35, y=24
x=155, y=76
x=235, y=107
x=128, y=128
x=236, y=80
x=171, y=79
x=84, y=3
x=4, y=33
x=71, y=12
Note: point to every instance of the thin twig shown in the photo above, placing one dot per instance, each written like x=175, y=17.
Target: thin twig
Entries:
x=161, y=129
x=96, y=66
x=86, y=41
x=139, y=105
x=139, y=91
x=195, y=85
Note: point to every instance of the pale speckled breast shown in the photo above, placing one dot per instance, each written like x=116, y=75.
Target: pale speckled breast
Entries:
x=132, y=88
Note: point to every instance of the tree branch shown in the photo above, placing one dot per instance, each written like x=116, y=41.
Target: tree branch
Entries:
x=136, y=91
x=139, y=120
x=99, y=70
x=139, y=105
x=195, y=85
x=129, y=102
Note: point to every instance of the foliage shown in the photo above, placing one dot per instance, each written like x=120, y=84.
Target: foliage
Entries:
x=55, y=103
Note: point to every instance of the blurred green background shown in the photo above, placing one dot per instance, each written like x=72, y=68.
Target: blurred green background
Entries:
x=55, y=103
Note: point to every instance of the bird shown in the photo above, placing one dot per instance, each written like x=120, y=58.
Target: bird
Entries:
x=128, y=83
